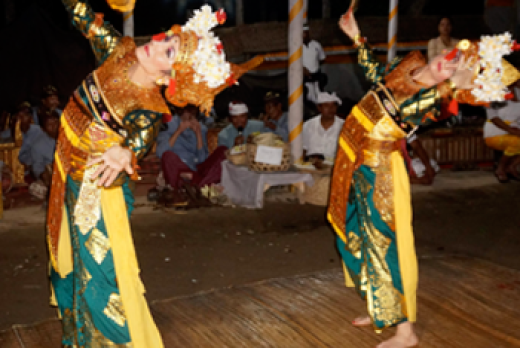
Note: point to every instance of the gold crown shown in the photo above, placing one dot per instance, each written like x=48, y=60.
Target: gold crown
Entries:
x=200, y=94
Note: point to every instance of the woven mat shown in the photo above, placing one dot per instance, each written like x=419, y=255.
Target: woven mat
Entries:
x=463, y=303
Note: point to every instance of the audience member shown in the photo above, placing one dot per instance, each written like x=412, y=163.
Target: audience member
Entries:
x=184, y=152
x=5, y=131
x=313, y=56
x=502, y=133
x=275, y=120
x=238, y=132
x=320, y=133
x=421, y=168
x=42, y=155
x=444, y=42
x=30, y=133
x=49, y=103
x=209, y=120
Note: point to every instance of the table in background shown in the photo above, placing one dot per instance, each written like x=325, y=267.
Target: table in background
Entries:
x=246, y=188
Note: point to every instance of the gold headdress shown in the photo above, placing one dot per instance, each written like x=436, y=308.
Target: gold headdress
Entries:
x=495, y=73
x=200, y=70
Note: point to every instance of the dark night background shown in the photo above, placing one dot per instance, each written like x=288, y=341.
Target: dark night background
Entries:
x=152, y=16
x=40, y=46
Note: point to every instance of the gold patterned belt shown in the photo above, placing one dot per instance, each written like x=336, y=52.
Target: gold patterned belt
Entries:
x=377, y=152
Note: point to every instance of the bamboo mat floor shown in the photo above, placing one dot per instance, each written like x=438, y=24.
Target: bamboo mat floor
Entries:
x=463, y=302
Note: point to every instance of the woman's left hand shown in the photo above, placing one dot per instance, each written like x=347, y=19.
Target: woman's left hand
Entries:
x=113, y=161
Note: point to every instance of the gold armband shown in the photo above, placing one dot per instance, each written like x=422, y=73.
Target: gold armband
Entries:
x=358, y=40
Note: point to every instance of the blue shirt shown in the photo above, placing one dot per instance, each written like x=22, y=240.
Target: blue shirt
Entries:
x=28, y=139
x=186, y=144
x=227, y=136
x=6, y=134
x=282, y=127
x=42, y=153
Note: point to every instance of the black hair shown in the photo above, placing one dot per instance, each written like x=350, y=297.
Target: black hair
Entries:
x=442, y=17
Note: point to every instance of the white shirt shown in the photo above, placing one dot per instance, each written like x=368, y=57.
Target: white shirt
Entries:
x=317, y=140
x=510, y=114
x=312, y=55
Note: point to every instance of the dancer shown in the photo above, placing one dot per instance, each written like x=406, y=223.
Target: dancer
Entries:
x=110, y=122
x=370, y=208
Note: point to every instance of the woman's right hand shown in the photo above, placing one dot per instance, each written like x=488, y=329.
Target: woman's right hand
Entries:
x=464, y=74
x=514, y=131
x=349, y=25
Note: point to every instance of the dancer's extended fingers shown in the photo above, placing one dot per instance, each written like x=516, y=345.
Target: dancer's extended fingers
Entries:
x=98, y=172
x=106, y=174
x=112, y=178
x=128, y=169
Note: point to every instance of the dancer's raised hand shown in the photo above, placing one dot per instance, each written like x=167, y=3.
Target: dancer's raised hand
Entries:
x=348, y=23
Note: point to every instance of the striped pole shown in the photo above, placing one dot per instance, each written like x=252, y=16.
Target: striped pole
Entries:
x=305, y=10
x=128, y=23
x=392, y=30
x=296, y=20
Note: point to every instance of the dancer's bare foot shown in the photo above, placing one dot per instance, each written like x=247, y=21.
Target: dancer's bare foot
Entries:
x=362, y=321
x=405, y=337
x=501, y=176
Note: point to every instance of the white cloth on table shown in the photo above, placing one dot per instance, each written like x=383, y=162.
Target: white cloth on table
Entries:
x=246, y=188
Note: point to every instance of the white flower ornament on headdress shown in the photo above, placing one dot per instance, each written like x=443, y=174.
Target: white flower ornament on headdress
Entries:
x=210, y=63
x=492, y=49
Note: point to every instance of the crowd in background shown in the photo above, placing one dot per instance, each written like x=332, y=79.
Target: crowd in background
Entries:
x=187, y=164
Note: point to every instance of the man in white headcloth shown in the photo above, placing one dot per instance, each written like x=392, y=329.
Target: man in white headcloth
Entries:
x=313, y=57
x=320, y=133
x=240, y=128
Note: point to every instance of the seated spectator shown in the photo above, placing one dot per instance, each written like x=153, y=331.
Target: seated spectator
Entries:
x=184, y=152
x=502, y=133
x=275, y=120
x=42, y=152
x=444, y=42
x=208, y=121
x=50, y=103
x=238, y=132
x=30, y=132
x=5, y=131
x=421, y=168
x=320, y=133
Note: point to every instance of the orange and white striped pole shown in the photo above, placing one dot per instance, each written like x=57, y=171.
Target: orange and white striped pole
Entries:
x=296, y=20
x=128, y=23
x=305, y=10
x=392, y=30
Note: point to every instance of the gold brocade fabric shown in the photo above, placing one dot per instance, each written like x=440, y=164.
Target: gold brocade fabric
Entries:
x=368, y=136
x=120, y=94
x=377, y=156
x=74, y=122
x=385, y=303
x=81, y=138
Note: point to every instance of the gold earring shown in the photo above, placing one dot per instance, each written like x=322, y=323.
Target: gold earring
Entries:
x=160, y=81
